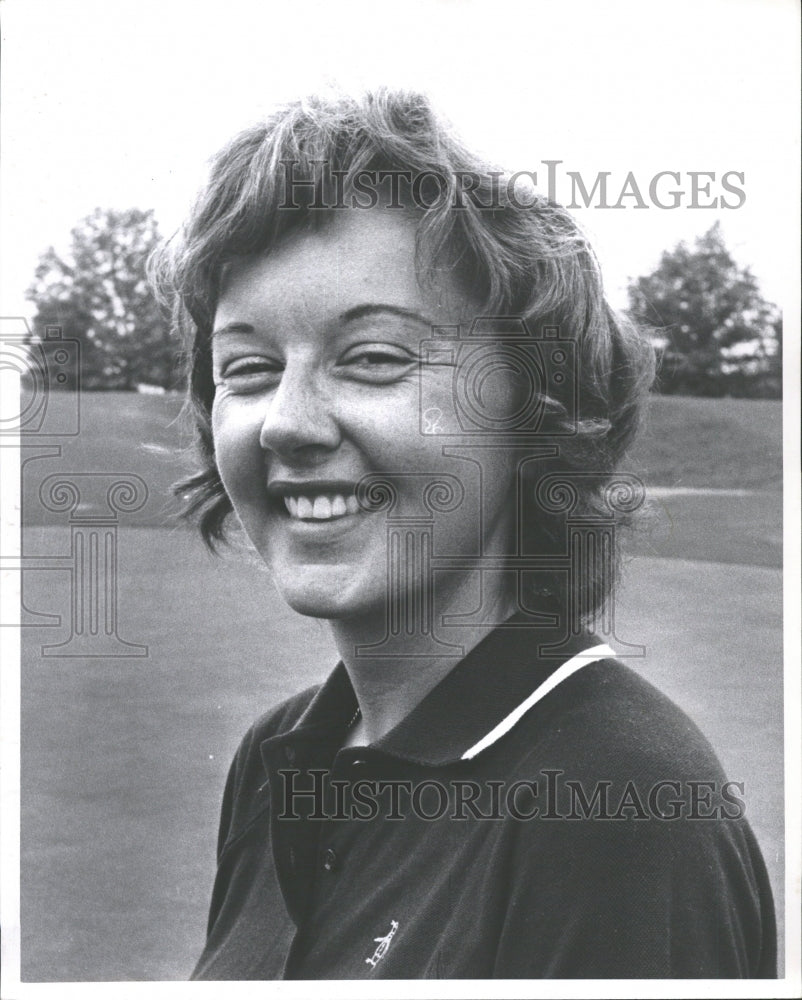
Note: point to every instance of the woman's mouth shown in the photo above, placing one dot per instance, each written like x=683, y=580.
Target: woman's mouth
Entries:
x=322, y=507
x=314, y=501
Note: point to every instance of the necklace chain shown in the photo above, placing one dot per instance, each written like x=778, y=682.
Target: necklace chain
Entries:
x=353, y=719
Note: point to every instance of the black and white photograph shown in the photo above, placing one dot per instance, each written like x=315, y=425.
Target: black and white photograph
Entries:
x=400, y=437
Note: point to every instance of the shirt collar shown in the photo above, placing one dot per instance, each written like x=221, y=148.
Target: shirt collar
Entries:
x=488, y=684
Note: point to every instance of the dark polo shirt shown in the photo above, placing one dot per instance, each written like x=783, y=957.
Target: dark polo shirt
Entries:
x=588, y=832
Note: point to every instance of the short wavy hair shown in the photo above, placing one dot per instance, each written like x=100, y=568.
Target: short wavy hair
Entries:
x=520, y=259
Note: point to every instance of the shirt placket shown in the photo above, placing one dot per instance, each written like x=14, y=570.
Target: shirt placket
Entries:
x=331, y=869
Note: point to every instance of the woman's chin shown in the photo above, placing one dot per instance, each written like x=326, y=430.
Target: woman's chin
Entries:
x=322, y=600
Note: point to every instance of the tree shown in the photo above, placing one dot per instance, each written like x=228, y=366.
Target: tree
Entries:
x=99, y=295
x=714, y=331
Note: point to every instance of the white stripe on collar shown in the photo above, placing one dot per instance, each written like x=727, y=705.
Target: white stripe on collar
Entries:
x=591, y=655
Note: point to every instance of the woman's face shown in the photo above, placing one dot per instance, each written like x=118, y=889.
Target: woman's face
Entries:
x=320, y=380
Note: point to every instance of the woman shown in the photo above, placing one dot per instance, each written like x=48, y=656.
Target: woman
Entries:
x=408, y=387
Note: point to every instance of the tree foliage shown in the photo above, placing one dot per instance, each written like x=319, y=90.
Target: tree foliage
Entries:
x=714, y=331
x=99, y=295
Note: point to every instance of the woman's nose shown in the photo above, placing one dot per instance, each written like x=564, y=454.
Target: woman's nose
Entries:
x=299, y=415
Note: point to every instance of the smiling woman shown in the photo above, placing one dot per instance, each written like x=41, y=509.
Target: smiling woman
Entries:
x=416, y=406
x=327, y=383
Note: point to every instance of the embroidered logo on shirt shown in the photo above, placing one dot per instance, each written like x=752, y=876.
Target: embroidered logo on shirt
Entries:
x=383, y=944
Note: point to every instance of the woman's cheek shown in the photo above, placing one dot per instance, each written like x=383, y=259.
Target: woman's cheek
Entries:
x=235, y=433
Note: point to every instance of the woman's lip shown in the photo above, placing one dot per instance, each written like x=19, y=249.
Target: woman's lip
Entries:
x=319, y=528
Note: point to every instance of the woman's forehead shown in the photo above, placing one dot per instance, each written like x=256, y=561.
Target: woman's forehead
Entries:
x=359, y=256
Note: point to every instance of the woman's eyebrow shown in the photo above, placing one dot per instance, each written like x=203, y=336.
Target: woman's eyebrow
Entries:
x=233, y=328
x=349, y=316
x=374, y=308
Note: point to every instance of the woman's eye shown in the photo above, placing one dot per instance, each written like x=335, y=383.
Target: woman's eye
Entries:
x=249, y=373
x=378, y=364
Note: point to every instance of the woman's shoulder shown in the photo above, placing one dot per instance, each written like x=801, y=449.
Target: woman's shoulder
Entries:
x=609, y=717
x=637, y=836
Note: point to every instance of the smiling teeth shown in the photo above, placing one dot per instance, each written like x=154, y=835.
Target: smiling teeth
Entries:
x=321, y=508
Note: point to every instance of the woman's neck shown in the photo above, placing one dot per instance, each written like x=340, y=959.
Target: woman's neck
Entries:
x=389, y=686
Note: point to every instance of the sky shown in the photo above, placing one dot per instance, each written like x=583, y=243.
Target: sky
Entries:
x=121, y=104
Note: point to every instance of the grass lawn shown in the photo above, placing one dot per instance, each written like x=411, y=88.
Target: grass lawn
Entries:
x=123, y=761
x=712, y=443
